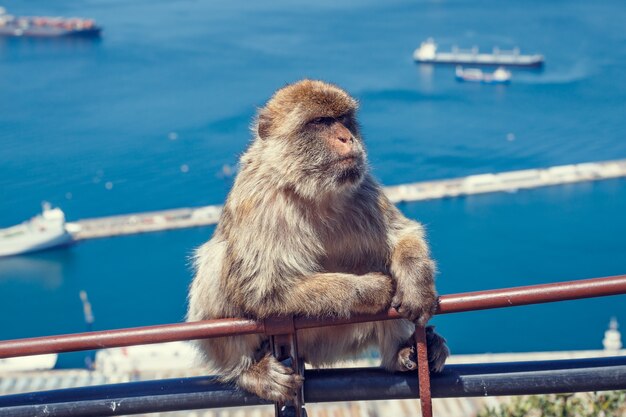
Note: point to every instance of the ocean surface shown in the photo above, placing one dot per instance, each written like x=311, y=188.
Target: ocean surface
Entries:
x=145, y=119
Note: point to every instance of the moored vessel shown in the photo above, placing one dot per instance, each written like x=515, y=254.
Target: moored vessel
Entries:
x=46, y=27
x=44, y=231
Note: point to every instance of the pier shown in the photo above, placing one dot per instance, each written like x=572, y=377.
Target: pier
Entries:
x=510, y=181
x=152, y=221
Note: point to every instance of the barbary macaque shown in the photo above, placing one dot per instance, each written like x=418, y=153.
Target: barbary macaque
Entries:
x=307, y=231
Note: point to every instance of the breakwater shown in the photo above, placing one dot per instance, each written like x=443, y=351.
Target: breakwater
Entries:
x=427, y=190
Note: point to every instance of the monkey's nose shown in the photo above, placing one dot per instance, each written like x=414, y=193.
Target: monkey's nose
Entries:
x=343, y=144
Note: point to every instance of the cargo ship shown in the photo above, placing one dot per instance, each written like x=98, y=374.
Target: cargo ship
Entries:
x=46, y=27
x=427, y=54
x=44, y=231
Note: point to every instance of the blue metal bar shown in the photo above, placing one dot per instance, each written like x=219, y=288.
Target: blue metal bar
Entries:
x=326, y=385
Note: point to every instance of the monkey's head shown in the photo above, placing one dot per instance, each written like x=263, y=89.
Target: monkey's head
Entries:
x=310, y=137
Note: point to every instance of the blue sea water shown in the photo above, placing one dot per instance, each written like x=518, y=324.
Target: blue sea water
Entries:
x=78, y=114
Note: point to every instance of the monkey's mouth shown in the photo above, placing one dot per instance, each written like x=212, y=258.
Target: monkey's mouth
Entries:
x=349, y=168
x=348, y=160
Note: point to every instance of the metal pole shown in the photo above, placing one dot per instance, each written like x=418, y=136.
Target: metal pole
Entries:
x=479, y=300
x=90, y=359
x=423, y=371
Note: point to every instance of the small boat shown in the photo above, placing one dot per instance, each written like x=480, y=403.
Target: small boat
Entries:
x=46, y=27
x=427, y=54
x=44, y=231
x=476, y=75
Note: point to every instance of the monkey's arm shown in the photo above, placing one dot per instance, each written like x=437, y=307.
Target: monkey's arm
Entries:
x=326, y=294
x=413, y=270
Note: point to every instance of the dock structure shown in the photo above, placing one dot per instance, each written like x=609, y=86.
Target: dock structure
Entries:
x=427, y=190
x=507, y=181
x=151, y=221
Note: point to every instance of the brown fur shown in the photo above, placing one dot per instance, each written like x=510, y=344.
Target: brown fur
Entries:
x=307, y=231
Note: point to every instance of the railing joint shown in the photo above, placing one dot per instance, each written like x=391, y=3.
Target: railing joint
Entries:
x=284, y=345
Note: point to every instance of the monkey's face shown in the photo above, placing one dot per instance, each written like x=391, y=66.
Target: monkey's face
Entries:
x=332, y=149
x=310, y=137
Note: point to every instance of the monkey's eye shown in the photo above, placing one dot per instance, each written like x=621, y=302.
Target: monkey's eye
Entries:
x=321, y=120
x=343, y=119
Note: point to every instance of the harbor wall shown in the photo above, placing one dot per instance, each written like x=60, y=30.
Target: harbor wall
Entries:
x=427, y=190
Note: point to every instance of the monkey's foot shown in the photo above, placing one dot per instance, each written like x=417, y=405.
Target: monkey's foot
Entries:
x=271, y=380
x=438, y=352
x=406, y=359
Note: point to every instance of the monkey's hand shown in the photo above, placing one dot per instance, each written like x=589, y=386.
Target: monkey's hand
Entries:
x=415, y=297
x=373, y=293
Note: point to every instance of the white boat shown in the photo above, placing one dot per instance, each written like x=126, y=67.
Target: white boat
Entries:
x=427, y=54
x=44, y=231
x=476, y=75
x=28, y=363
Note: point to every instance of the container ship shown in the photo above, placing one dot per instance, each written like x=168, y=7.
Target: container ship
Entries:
x=427, y=54
x=46, y=27
x=44, y=231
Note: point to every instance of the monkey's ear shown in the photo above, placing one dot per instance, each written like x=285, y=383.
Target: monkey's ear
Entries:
x=264, y=124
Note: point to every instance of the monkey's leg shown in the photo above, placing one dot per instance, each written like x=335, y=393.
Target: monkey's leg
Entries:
x=392, y=340
x=397, y=347
x=271, y=380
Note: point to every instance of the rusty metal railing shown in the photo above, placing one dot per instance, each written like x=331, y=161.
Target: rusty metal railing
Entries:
x=479, y=300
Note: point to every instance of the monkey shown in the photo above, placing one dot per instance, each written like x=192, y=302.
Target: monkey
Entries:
x=307, y=231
